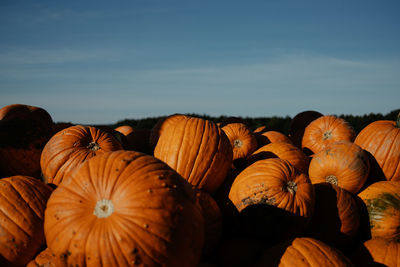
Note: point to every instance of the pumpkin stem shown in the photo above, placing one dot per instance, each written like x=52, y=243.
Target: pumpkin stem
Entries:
x=104, y=208
x=332, y=179
x=327, y=135
x=291, y=187
x=237, y=143
x=93, y=146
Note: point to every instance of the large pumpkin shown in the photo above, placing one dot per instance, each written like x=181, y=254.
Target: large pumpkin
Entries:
x=342, y=163
x=382, y=200
x=303, y=251
x=22, y=204
x=159, y=127
x=382, y=140
x=198, y=150
x=67, y=149
x=274, y=182
x=125, y=208
x=326, y=130
x=24, y=131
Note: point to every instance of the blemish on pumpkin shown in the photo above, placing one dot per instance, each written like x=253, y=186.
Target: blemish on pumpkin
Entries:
x=164, y=185
x=146, y=225
x=134, y=251
x=378, y=206
x=149, y=191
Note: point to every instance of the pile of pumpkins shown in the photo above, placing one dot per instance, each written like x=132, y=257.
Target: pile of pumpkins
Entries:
x=191, y=192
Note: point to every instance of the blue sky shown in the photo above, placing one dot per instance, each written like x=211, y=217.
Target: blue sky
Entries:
x=98, y=62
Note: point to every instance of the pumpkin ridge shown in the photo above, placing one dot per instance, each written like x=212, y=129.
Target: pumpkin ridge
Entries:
x=35, y=192
x=316, y=245
x=390, y=150
x=11, y=220
x=198, y=148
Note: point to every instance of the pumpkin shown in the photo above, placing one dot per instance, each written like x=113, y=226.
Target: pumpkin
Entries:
x=67, y=149
x=299, y=123
x=22, y=204
x=303, y=251
x=138, y=139
x=377, y=252
x=342, y=163
x=212, y=221
x=382, y=200
x=326, y=130
x=265, y=138
x=282, y=150
x=382, y=139
x=159, y=127
x=125, y=208
x=24, y=131
x=336, y=216
x=198, y=150
x=274, y=182
x=242, y=140
x=46, y=258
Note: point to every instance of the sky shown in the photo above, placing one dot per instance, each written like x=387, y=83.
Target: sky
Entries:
x=100, y=62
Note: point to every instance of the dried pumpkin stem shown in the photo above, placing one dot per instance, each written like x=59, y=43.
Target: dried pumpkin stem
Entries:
x=93, y=146
x=327, y=135
x=237, y=143
x=291, y=187
x=332, y=179
x=104, y=208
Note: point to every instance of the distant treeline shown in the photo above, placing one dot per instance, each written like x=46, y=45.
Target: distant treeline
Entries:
x=276, y=123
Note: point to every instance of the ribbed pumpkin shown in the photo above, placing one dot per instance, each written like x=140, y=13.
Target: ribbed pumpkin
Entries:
x=22, y=204
x=382, y=140
x=299, y=123
x=242, y=140
x=198, y=150
x=24, y=131
x=282, y=150
x=336, y=216
x=267, y=137
x=324, y=131
x=277, y=183
x=46, y=258
x=303, y=251
x=67, y=149
x=377, y=252
x=342, y=163
x=159, y=127
x=125, y=208
x=382, y=200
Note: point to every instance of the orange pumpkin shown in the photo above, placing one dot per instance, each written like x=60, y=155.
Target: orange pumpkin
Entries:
x=198, y=150
x=382, y=140
x=159, y=127
x=341, y=163
x=277, y=183
x=125, y=208
x=22, y=204
x=242, y=140
x=326, y=130
x=265, y=138
x=46, y=258
x=24, y=131
x=382, y=200
x=67, y=149
x=303, y=251
x=299, y=123
x=282, y=150
x=377, y=252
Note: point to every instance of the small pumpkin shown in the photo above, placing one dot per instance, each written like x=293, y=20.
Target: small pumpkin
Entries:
x=24, y=131
x=198, y=150
x=22, y=204
x=265, y=138
x=67, y=149
x=382, y=139
x=382, y=200
x=125, y=208
x=326, y=130
x=342, y=163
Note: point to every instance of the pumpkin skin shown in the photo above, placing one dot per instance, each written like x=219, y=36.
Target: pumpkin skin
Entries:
x=382, y=200
x=159, y=127
x=242, y=140
x=342, y=163
x=24, y=131
x=282, y=150
x=382, y=140
x=336, y=216
x=46, y=258
x=275, y=182
x=299, y=124
x=377, y=251
x=67, y=149
x=125, y=208
x=198, y=150
x=22, y=204
x=265, y=138
x=303, y=251
x=326, y=130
